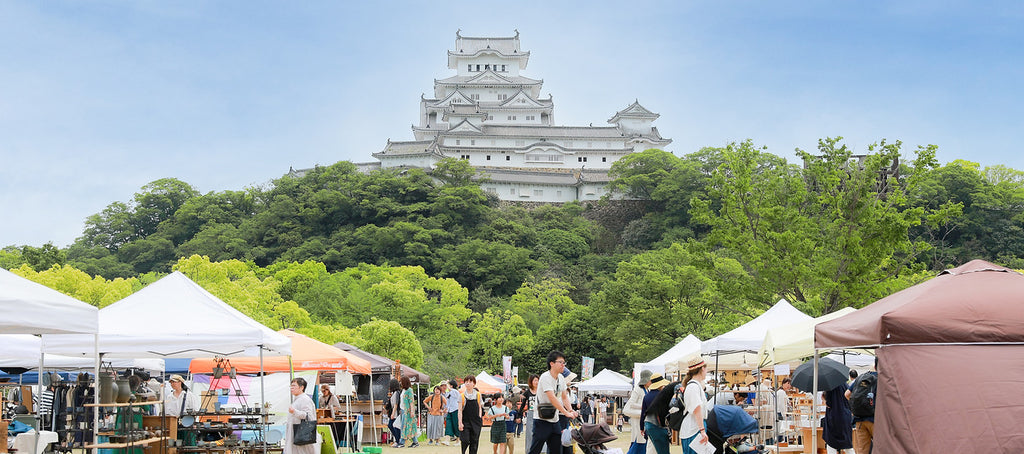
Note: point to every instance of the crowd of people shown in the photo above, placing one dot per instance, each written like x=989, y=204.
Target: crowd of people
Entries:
x=539, y=412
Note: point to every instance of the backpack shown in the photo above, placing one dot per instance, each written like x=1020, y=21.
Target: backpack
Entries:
x=675, y=419
x=862, y=395
x=663, y=402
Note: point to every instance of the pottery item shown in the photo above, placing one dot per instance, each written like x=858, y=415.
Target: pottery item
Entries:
x=124, y=390
x=108, y=389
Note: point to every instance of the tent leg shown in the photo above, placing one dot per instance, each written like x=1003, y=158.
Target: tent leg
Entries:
x=263, y=402
x=814, y=409
x=96, y=395
x=39, y=388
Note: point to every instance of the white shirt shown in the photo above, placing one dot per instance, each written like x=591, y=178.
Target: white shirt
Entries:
x=549, y=383
x=693, y=398
x=172, y=403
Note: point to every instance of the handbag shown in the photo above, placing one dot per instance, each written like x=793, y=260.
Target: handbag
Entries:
x=304, y=433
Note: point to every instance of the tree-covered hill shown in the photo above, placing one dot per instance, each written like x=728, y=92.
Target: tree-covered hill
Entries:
x=429, y=269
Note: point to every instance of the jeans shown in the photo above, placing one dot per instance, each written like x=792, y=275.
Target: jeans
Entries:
x=658, y=436
x=396, y=432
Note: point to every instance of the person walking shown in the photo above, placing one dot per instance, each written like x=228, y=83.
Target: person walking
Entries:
x=395, y=402
x=529, y=408
x=301, y=408
x=655, y=431
x=552, y=401
x=632, y=409
x=409, y=426
x=863, y=406
x=471, y=413
x=837, y=426
x=436, y=404
x=585, y=409
x=497, y=414
x=450, y=391
x=695, y=403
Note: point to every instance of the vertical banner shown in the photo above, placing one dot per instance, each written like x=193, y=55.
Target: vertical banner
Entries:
x=506, y=367
x=515, y=375
x=587, y=368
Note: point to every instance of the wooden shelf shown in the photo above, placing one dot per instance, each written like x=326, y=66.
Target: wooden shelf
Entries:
x=127, y=404
x=143, y=442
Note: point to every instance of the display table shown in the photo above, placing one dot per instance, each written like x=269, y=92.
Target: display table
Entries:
x=806, y=432
x=23, y=442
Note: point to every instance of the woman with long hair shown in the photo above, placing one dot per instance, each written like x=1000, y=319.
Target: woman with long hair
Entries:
x=409, y=413
x=695, y=402
x=528, y=405
x=301, y=408
x=395, y=402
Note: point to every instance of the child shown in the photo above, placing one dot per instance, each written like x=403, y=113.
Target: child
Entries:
x=618, y=422
x=510, y=427
x=498, y=414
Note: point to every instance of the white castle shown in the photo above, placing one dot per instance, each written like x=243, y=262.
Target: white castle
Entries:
x=492, y=116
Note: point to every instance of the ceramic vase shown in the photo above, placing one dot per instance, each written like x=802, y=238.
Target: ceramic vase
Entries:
x=108, y=389
x=124, y=390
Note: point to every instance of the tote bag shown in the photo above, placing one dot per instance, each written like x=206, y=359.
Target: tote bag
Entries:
x=304, y=433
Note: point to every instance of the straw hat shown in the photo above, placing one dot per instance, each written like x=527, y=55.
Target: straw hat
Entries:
x=645, y=376
x=177, y=378
x=695, y=362
x=657, y=382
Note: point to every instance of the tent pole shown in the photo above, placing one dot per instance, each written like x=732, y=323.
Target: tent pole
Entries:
x=39, y=387
x=814, y=409
x=263, y=402
x=373, y=414
x=96, y=394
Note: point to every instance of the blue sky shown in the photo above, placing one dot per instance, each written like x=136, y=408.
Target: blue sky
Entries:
x=98, y=98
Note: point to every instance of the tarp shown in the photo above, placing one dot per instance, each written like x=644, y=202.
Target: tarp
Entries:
x=794, y=341
x=607, y=382
x=31, y=308
x=382, y=365
x=750, y=336
x=670, y=360
x=307, y=354
x=966, y=324
x=173, y=317
x=487, y=384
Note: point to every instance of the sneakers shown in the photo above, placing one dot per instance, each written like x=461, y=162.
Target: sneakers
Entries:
x=415, y=445
x=445, y=442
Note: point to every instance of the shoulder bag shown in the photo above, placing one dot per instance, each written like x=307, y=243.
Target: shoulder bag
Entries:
x=304, y=433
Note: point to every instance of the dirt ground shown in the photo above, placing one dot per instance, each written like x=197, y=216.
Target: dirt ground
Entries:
x=487, y=448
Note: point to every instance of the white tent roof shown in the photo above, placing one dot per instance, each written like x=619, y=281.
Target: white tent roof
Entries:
x=607, y=382
x=22, y=350
x=750, y=336
x=31, y=308
x=173, y=317
x=793, y=341
x=690, y=345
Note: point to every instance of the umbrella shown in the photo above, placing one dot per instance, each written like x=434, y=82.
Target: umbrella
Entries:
x=831, y=374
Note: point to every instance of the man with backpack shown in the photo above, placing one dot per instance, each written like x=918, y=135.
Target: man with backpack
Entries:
x=862, y=396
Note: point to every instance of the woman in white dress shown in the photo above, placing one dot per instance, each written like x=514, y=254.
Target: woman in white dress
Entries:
x=301, y=408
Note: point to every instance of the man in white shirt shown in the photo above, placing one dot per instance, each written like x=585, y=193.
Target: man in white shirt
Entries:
x=552, y=401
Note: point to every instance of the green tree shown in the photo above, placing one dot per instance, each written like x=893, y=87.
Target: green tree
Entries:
x=498, y=333
x=44, y=257
x=390, y=340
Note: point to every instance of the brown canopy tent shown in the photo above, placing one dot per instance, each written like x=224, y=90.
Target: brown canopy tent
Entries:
x=951, y=361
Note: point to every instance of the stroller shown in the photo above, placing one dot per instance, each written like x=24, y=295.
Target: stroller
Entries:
x=592, y=437
x=727, y=422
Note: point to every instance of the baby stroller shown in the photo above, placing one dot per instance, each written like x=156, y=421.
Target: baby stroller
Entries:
x=726, y=423
x=592, y=437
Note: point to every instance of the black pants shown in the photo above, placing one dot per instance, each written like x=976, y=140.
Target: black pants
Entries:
x=470, y=438
x=549, y=433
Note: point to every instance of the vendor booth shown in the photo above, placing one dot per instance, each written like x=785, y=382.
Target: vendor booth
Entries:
x=607, y=382
x=34, y=309
x=175, y=317
x=960, y=336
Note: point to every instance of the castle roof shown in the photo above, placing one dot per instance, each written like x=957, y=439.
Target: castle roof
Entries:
x=634, y=110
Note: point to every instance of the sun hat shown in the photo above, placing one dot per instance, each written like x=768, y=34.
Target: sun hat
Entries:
x=645, y=376
x=177, y=378
x=695, y=362
x=657, y=382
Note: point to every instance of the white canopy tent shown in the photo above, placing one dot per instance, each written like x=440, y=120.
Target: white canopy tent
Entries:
x=737, y=349
x=607, y=382
x=31, y=308
x=34, y=309
x=173, y=318
x=669, y=361
x=22, y=350
x=793, y=341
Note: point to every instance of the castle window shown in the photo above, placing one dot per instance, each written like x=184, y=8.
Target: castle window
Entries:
x=475, y=96
x=458, y=142
x=558, y=193
x=512, y=191
x=469, y=68
x=490, y=117
x=464, y=157
x=538, y=192
x=530, y=117
x=478, y=67
x=472, y=142
x=492, y=190
x=488, y=157
x=508, y=158
x=502, y=68
x=604, y=159
x=487, y=67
